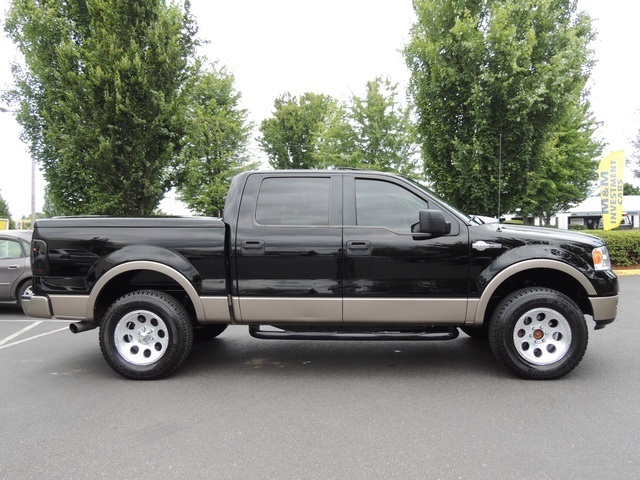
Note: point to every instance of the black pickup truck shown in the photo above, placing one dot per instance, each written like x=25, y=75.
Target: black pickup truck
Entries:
x=332, y=255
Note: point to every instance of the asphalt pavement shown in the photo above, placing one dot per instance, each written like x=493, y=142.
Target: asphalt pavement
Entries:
x=241, y=408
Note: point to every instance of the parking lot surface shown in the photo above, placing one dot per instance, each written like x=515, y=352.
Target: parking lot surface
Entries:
x=242, y=408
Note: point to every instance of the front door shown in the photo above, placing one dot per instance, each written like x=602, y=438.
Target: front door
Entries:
x=395, y=276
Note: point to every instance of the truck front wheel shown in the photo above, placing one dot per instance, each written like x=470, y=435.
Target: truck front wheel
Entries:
x=538, y=333
x=146, y=335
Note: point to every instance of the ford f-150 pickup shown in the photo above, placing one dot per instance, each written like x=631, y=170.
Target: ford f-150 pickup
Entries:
x=344, y=254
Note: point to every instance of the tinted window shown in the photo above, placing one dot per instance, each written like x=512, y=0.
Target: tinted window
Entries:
x=293, y=201
x=385, y=204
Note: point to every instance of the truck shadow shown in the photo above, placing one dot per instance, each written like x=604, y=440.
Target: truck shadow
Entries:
x=234, y=355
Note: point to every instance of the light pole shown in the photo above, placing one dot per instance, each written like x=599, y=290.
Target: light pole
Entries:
x=33, y=179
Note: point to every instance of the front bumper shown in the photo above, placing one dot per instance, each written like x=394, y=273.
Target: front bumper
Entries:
x=604, y=310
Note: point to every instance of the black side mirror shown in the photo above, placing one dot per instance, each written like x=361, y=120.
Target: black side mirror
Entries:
x=433, y=222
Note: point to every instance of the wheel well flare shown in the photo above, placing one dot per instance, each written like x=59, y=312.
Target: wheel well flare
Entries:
x=560, y=280
x=142, y=275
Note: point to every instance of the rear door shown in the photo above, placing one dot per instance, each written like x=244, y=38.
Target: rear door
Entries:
x=394, y=276
x=287, y=249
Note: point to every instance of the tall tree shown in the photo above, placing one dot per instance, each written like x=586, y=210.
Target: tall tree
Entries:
x=374, y=131
x=568, y=168
x=4, y=211
x=215, y=147
x=101, y=97
x=485, y=70
x=636, y=154
x=291, y=137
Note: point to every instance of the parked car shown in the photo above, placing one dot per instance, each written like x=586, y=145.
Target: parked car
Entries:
x=15, y=265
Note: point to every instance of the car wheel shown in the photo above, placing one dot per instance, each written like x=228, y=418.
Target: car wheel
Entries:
x=146, y=335
x=25, y=289
x=204, y=333
x=538, y=333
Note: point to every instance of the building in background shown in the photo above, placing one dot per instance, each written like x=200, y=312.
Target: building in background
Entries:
x=589, y=213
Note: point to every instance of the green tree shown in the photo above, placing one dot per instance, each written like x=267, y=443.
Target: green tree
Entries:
x=215, y=147
x=514, y=70
x=4, y=211
x=292, y=136
x=636, y=154
x=101, y=98
x=374, y=132
x=569, y=167
x=631, y=189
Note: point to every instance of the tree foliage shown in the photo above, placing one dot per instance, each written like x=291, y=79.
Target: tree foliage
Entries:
x=374, y=131
x=493, y=78
x=101, y=98
x=631, y=189
x=568, y=168
x=636, y=154
x=4, y=211
x=291, y=137
x=215, y=147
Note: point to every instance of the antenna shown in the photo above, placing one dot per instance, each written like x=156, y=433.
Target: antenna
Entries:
x=499, y=174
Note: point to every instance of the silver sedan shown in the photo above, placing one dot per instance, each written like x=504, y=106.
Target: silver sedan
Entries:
x=15, y=265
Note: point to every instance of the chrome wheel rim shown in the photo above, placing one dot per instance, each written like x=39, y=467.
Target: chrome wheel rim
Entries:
x=141, y=337
x=542, y=336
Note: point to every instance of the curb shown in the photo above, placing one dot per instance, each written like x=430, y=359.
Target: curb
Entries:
x=626, y=273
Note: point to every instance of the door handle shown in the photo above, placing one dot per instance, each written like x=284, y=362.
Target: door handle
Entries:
x=13, y=267
x=252, y=247
x=359, y=248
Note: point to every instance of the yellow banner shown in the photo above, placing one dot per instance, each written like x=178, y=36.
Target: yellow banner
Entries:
x=611, y=172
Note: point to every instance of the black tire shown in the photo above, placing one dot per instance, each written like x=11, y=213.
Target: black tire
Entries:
x=24, y=288
x=538, y=333
x=146, y=335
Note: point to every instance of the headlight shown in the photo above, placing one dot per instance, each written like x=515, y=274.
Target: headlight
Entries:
x=601, y=260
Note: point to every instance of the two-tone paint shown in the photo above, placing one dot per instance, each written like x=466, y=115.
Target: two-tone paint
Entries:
x=236, y=270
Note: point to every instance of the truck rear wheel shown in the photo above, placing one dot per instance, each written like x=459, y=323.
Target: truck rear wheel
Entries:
x=146, y=335
x=538, y=333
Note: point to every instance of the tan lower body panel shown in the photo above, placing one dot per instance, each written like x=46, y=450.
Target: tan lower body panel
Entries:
x=288, y=310
x=405, y=311
x=69, y=307
x=216, y=309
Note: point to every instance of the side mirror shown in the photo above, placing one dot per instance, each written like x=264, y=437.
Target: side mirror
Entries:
x=433, y=222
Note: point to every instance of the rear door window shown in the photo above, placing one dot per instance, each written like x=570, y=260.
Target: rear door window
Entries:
x=294, y=201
